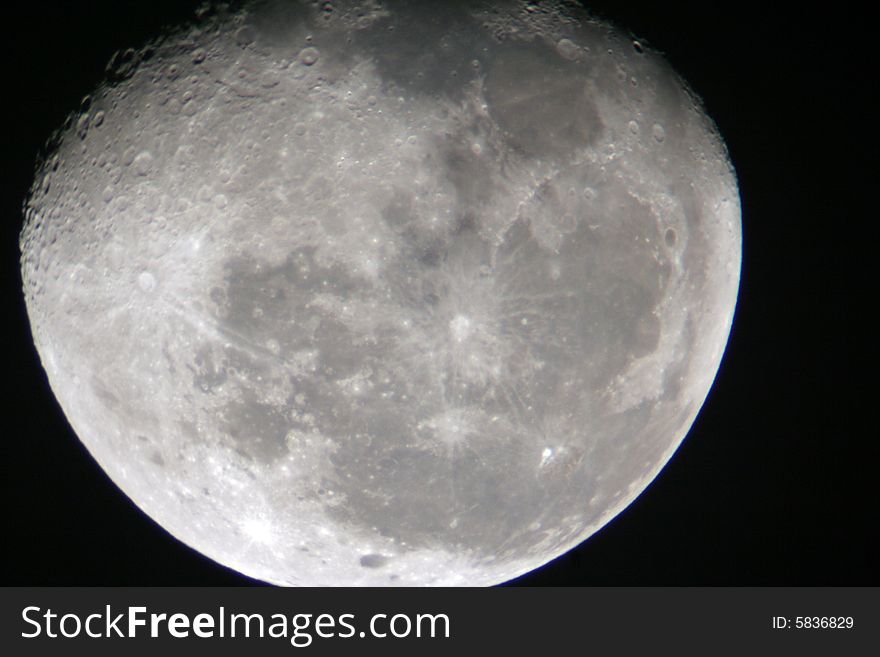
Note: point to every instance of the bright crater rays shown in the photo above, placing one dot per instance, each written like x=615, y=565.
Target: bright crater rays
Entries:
x=390, y=293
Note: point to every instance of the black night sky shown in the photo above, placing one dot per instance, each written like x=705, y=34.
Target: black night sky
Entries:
x=776, y=482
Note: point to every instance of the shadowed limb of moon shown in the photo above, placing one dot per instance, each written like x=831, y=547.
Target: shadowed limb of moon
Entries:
x=390, y=294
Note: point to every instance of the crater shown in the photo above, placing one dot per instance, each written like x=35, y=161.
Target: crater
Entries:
x=460, y=327
x=373, y=561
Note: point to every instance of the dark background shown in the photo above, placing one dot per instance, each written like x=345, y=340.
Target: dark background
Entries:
x=774, y=484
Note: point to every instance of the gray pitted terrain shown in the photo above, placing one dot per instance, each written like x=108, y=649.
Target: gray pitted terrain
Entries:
x=383, y=292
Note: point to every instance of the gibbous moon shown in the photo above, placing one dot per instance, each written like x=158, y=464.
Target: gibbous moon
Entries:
x=384, y=292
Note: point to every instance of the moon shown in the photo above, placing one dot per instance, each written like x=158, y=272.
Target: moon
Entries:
x=384, y=293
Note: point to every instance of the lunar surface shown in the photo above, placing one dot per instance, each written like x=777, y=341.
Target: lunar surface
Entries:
x=384, y=293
